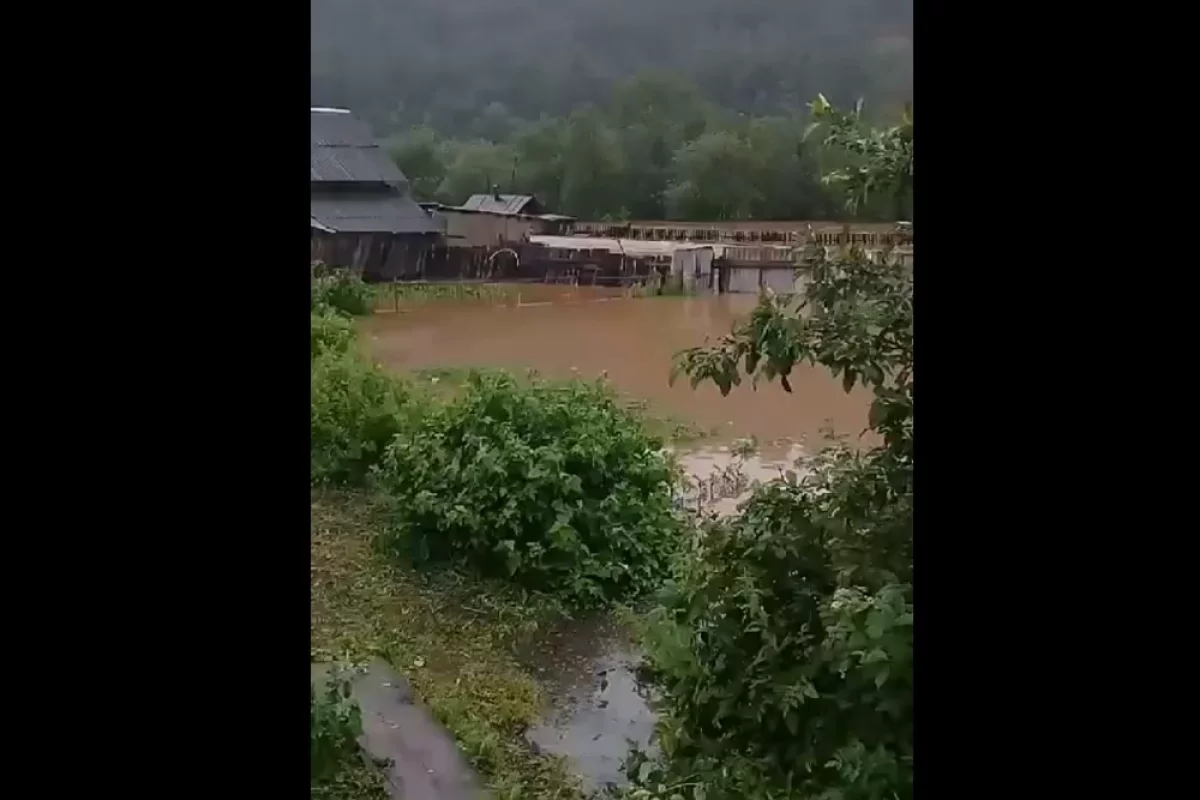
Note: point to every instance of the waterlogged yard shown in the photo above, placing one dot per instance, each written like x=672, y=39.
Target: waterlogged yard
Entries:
x=415, y=552
x=460, y=515
x=574, y=581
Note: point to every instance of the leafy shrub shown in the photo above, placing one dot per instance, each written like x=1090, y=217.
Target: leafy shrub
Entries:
x=335, y=723
x=780, y=645
x=784, y=647
x=331, y=333
x=355, y=410
x=554, y=485
x=341, y=290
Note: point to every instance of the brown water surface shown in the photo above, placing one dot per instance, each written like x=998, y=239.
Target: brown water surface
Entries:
x=587, y=668
x=560, y=330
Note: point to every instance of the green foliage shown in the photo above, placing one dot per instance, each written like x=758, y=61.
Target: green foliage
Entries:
x=341, y=290
x=462, y=633
x=330, y=333
x=784, y=644
x=856, y=318
x=713, y=178
x=420, y=150
x=787, y=639
x=335, y=724
x=555, y=486
x=881, y=159
x=471, y=167
x=417, y=293
x=657, y=150
x=355, y=410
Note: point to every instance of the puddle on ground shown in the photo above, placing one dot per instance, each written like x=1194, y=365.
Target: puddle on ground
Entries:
x=588, y=669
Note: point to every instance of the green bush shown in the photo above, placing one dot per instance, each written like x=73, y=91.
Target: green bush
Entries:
x=335, y=723
x=779, y=646
x=341, y=290
x=553, y=485
x=330, y=332
x=784, y=647
x=355, y=411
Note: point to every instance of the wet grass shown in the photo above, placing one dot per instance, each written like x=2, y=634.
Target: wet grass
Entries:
x=395, y=296
x=356, y=781
x=454, y=639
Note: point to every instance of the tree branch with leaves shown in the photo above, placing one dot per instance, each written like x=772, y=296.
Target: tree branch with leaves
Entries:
x=784, y=646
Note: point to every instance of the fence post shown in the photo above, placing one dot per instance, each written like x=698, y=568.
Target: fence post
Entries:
x=396, y=296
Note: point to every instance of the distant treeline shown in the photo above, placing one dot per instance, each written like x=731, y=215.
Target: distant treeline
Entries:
x=657, y=150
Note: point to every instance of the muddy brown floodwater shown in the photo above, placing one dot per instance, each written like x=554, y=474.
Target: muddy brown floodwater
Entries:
x=558, y=329
x=587, y=667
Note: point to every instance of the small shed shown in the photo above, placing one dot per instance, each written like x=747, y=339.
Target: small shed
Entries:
x=465, y=227
x=497, y=203
x=362, y=212
x=688, y=262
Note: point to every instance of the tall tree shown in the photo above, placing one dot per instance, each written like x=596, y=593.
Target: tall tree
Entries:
x=593, y=167
x=713, y=177
x=474, y=167
x=418, y=154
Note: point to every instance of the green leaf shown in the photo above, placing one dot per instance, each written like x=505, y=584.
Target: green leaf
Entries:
x=877, y=413
x=752, y=356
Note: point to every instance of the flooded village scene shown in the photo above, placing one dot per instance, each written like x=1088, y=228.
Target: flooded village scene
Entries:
x=611, y=403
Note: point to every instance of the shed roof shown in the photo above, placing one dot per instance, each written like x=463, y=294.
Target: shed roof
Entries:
x=343, y=150
x=442, y=207
x=370, y=212
x=502, y=203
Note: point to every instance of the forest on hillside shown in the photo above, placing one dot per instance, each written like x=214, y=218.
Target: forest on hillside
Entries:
x=622, y=109
x=657, y=150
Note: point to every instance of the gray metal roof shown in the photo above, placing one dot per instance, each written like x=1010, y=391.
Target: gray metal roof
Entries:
x=370, y=212
x=342, y=150
x=498, y=203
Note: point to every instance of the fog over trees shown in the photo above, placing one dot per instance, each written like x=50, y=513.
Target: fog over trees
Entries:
x=447, y=62
x=623, y=108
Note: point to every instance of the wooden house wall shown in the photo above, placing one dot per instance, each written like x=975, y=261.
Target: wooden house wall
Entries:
x=376, y=256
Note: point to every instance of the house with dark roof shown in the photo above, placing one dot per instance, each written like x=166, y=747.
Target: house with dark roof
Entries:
x=362, y=212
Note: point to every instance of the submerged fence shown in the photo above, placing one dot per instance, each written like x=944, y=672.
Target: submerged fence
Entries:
x=399, y=296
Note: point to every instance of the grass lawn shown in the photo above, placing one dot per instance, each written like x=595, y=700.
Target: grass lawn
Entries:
x=451, y=637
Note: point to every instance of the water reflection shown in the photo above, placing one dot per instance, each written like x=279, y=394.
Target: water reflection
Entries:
x=598, y=708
